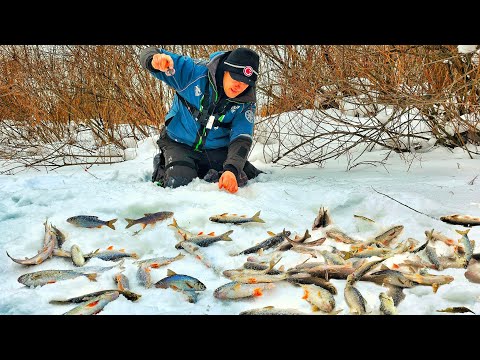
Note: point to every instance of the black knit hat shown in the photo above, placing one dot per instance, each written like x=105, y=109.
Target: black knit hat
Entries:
x=242, y=63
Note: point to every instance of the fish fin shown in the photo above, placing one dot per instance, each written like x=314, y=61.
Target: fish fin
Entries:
x=120, y=264
x=155, y=265
x=110, y=223
x=305, y=293
x=144, y=226
x=384, y=267
x=256, y=217
x=200, y=233
x=272, y=264
x=224, y=214
x=463, y=232
x=134, y=255
x=211, y=234
x=110, y=247
x=147, y=214
x=336, y=312
x=435, y=287
x=237, y=286
x=257, y=292
x=174, y=223
x=315, y=308
x=130, y=222
x=92, y=276
x=170, y=272
x=122, y=250
x=93, y=303
x=225, y=236
x=271, y=233
x=281, y=268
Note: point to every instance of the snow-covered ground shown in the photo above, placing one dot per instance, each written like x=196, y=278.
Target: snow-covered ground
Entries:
x=435, y=183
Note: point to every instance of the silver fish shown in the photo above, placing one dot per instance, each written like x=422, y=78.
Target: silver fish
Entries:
x=331, y=258
x=90, y=221
x=95, y=305
x=465, y=220
x=180, y=282
x=111, y=255
x=185, y=234
x=225, y=218
x=237, y=290
x=87, y=297
x=271, y=310
x=467, y=245
x=268, y=243
x=387, y=276
x=473, y=271
x=50, y=242
x=306, y=279
x=387, y=305
x=199, y=254
x=362, y=270
x=44, y=277
x=386, y=237
x=286, y=245
x=396, y=293
x=438, y=236
x=320, y=298
x=355, y=301
x=337, y=235
x=322, y=220
x=122, y=281
x=149, y=218
x=206, y=240
x=159, y=261
x=144, y=276
x=433, y=257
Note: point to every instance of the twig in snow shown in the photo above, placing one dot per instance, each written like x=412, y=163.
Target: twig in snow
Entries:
x=472, y=181
x=405, y=205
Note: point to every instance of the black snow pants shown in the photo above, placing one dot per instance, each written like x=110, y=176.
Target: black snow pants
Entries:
x=178, y=164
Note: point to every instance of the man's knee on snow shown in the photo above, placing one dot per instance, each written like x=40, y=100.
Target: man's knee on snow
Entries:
x=179, y=175
x=176, y=181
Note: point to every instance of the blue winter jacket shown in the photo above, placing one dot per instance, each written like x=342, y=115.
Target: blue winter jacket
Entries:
x=189, y=80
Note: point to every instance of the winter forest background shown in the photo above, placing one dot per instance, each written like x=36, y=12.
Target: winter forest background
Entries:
x=404, y=98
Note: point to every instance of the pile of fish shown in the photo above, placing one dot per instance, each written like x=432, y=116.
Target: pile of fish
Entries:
x=364, y=260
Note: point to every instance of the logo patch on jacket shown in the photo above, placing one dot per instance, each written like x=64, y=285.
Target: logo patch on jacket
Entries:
x=250, y=115
x=234, y=108
x=198, y=92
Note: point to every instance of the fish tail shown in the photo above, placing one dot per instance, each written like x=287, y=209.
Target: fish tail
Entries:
x=130, y=222
x=462, y=232
x=92, y=276
x=58, y=302
x=174, y=223
x=257, y=292
x=120, y=264
x=225, y=236
x=256, y=217
x=110, y=223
